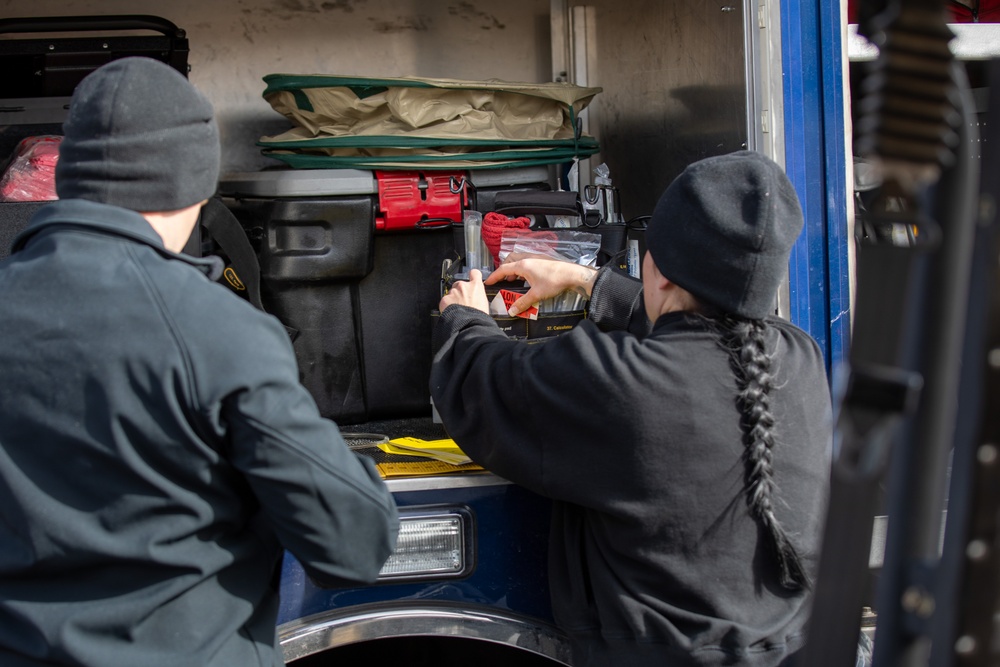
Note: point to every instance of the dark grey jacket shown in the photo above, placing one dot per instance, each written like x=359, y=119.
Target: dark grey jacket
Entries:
x=157, y=451
x=654, y=559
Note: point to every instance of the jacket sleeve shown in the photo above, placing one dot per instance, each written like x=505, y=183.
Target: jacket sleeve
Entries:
x=616, y=303
x=525, y=411
x=326, y=505
x=475, y=392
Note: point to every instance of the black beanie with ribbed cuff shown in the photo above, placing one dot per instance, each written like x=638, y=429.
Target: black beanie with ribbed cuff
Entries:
x=724, y=229
x=139, y=136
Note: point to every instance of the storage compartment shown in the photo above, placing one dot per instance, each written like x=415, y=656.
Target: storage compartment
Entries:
x=341, y=266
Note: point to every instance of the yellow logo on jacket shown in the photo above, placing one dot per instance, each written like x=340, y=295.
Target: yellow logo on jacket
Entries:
x=233, y=279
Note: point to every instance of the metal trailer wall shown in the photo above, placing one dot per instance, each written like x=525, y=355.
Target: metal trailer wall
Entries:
x=677, y=87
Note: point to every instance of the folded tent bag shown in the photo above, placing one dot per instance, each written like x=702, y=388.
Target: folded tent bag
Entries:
x=408, y=123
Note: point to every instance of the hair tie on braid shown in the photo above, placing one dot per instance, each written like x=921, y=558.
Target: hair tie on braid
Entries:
x=745, y=341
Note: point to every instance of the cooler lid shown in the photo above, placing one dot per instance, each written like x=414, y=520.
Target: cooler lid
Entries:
x=495, y=178
x=299, y=183
x=334, y=182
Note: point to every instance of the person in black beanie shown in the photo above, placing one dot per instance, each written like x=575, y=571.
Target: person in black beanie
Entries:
x=682, y=430
x=157, y=451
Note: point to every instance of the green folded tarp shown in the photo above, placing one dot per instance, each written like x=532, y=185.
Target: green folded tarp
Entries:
x=409, y=123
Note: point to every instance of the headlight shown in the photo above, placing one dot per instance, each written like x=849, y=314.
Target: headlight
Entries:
x=431, y=544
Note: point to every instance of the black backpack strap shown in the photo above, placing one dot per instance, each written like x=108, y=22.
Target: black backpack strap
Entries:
x=243, y=270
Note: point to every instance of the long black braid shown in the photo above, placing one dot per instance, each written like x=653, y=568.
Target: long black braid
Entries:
x=745, y=341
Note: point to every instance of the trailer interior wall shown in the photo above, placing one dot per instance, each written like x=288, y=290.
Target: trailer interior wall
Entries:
x=672, y=72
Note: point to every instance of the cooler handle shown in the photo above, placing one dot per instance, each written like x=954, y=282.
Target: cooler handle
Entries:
x=91, y=23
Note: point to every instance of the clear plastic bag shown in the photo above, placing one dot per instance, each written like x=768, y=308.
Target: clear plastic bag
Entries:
x=566, y=245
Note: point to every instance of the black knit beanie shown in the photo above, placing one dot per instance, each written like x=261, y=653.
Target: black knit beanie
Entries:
x=138, y=136
x=723, y=231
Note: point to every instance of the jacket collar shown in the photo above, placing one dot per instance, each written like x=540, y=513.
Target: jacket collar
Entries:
x=105, y=219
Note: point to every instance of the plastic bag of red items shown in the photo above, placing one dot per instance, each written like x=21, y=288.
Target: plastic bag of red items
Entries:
x=31, y=175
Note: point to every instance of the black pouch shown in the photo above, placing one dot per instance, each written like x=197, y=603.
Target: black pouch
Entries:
x=528, y=202
x=544, y=325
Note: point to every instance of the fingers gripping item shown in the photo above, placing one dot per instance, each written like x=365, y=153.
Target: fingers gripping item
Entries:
x=566, y=245
x=494, y=225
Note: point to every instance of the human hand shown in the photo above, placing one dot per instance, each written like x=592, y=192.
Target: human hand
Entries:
x=546, y=278
x=467, y=293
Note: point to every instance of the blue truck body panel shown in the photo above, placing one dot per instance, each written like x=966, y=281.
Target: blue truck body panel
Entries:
x=815, y=159
x=510, y=535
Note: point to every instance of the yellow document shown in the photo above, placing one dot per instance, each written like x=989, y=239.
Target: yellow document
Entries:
x=444, y=450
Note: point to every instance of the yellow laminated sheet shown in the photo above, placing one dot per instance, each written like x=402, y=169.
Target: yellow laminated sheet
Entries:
x=431, y=457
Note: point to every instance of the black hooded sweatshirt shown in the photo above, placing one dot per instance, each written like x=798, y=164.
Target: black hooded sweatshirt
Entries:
x=654, y=557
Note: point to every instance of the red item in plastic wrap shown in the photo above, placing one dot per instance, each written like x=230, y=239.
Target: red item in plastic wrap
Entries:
x=31, y=175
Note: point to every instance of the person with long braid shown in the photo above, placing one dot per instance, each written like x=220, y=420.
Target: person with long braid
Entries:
x=746, y=342
x=683, y=430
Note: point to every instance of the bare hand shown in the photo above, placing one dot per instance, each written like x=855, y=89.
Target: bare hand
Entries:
x=546, y=278
x=467, y=293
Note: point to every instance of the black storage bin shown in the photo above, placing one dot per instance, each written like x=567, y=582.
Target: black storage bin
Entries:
x=313, y=253
x=356, y=290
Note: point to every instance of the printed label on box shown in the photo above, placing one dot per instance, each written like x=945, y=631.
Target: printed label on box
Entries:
x=507, y=299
